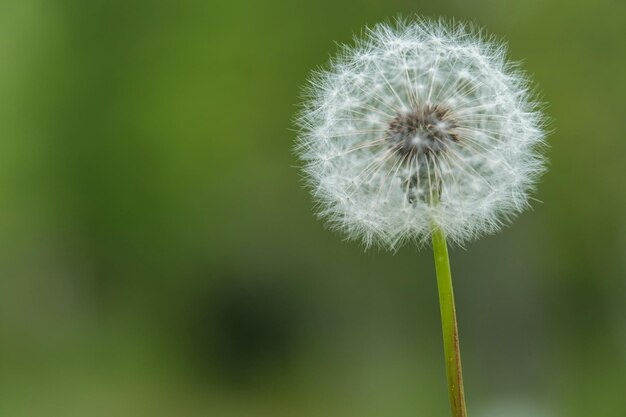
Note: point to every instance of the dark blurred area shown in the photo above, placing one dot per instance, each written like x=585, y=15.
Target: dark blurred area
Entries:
x=159, y=256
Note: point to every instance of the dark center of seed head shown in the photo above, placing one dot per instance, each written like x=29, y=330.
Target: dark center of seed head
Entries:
x=421, y=131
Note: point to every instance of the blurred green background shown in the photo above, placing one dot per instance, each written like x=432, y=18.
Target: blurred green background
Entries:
x=159, y=257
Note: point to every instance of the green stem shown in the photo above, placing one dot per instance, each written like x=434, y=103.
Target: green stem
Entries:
x=448, y=324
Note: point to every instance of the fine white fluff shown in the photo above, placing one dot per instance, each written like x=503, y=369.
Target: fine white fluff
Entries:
x=481, y=181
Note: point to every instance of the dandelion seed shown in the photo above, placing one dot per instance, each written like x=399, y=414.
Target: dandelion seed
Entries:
x=428, y=124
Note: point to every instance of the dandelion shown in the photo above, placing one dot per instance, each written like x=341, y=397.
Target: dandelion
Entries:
x=420, y=131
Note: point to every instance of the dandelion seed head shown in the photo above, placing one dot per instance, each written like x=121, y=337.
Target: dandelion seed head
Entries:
x=419, y=123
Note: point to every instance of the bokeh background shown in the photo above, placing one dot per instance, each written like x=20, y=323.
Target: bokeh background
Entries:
x=159, y=256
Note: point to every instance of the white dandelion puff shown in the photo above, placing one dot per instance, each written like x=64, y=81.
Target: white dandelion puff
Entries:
x=420, y=123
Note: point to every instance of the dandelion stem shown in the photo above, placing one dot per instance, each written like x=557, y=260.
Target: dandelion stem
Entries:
x=448, y=324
